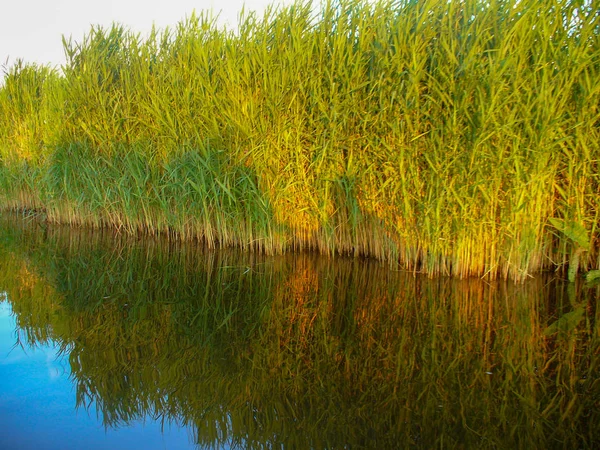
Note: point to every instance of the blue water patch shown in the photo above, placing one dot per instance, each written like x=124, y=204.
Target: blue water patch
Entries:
x=37, y=403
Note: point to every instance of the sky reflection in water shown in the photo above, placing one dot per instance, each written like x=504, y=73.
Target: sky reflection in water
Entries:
x=37, y=404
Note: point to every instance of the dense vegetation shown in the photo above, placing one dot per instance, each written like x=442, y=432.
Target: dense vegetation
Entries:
x=452, y=137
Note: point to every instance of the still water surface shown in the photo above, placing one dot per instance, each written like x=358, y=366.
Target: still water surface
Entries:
x=113, y=342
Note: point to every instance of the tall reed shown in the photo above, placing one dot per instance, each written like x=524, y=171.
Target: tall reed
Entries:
x=439, y=135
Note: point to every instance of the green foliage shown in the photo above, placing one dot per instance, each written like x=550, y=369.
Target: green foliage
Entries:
x=593, y=276
x=573, y=231
x=576, y=233
x=29, y=112
x=438, y=135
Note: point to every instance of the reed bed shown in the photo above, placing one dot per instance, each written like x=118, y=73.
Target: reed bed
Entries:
x=451, y=138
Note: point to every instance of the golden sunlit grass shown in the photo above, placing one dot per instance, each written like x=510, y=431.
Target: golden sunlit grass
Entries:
x=439, y=135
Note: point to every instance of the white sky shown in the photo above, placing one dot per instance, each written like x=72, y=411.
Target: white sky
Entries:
x=32, y=29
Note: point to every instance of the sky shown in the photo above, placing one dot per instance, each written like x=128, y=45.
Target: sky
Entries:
x=32, y=30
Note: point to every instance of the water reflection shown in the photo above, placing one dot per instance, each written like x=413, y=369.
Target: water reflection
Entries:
x=304, y=352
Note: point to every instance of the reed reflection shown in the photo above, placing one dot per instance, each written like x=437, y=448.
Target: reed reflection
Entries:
x=303, y=351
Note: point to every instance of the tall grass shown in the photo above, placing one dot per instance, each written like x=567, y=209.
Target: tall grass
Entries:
x=439, y=135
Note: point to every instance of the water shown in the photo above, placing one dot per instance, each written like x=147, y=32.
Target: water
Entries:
x=113, y=342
